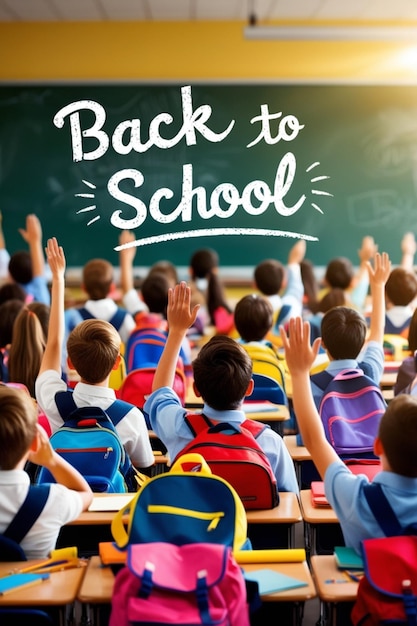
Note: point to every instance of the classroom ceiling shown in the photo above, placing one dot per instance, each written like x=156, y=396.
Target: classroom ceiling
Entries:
x=193, y=10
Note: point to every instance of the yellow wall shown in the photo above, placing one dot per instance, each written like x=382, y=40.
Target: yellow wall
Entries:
x=187, y=51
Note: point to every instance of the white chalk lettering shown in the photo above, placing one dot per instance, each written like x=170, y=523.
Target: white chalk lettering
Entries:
x=225, y=192
x=265, y=118
x=77, y=135
x=127, y=134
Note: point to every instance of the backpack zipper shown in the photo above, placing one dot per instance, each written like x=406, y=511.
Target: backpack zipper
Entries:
x=213, y=517
x=106, y=450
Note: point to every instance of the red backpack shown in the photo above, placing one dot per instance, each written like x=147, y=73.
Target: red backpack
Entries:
x=387, y=594
x=233, y=453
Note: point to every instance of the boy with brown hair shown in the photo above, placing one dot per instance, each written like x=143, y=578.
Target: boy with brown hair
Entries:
x=93, y=351
x=396, y=445
x=98, y=282
x=22, y=440
x=344, y=332
x=222, y=377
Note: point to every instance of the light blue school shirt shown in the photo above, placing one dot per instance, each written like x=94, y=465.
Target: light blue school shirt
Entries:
x=344, y=492
x=166, y=416
x=373, y=356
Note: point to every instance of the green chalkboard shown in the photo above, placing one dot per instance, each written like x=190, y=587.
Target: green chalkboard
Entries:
x=175, y=161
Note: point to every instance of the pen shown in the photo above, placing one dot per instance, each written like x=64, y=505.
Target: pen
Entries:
x=355, y=577
x=336, y=580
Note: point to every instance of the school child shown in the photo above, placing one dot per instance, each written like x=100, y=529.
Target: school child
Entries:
x=207, y=290
x=407, y=370
x=149, y=306
x=344, y=332
x=396, y=445
x=222, y=377
x=27, y=268
x=400, y=292
x=98, y=283
x=340, y=274
x=22, y=439
x=93, y=352
x=26, y=349
x=282, y=286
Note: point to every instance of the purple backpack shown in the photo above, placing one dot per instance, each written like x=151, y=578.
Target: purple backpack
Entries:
x=350, y=409
x=190, y=584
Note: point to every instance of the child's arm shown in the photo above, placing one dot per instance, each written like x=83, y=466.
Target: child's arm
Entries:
x=126, y=258
x=61, y=470
x=52, y=356
x=33, y=237
x=297, y=252
x=300, y=356
x=408, y=250
x=180, y=317
x=360, y=282
x=378, y=276
x=4, y=255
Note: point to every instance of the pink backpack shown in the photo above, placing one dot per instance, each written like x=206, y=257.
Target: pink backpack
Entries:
x=190, y=584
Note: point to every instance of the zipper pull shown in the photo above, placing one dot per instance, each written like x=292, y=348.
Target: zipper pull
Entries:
x=214, y=523
x=107, y=453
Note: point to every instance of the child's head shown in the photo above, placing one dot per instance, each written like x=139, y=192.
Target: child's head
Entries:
x=253, y=317
x=203, y=262
x=168, y=269
x=42, y=312
x=97, y=278
x=222, y=373
x=398, y=435
x=93, y=347
x=12, y=291
x=154, y=291
x=27, y=348
x=9, y=310
x=343, y=331
x=401, y=287
x=18, y=425
x=20, y=267
x=334, y=297
x=339, y=273
x=269, y=277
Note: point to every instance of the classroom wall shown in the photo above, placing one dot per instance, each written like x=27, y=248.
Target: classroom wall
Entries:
x=188, y=50
x=192, y=51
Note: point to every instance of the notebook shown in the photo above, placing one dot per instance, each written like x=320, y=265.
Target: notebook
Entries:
x=14, y=582
x=318, y=497
x=347, y=558
x=270, y=581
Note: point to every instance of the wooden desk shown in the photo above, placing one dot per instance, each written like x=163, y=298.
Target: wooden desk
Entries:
x=316, y=518
x=97, y=586
x=332, y=594
x=388, y=380
x=58, y=591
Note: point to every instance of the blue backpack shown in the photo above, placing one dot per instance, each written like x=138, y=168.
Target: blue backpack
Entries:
x=350, y=409
x=89, y=441
x=144, y=349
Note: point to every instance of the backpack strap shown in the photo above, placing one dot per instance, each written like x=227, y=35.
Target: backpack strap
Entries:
x=198, y=422
x=28, y=513
x=321, y=379
x=85, y=314
x=118, y=318
x=117, y=410
x=382, y=510
x=282, y=314
x=65, y=403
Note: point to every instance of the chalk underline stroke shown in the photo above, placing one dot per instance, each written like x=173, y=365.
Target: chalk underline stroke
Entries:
x=211, y=232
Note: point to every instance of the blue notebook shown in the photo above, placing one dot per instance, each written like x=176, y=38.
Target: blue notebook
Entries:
x=19, y=581
x=270, y=581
